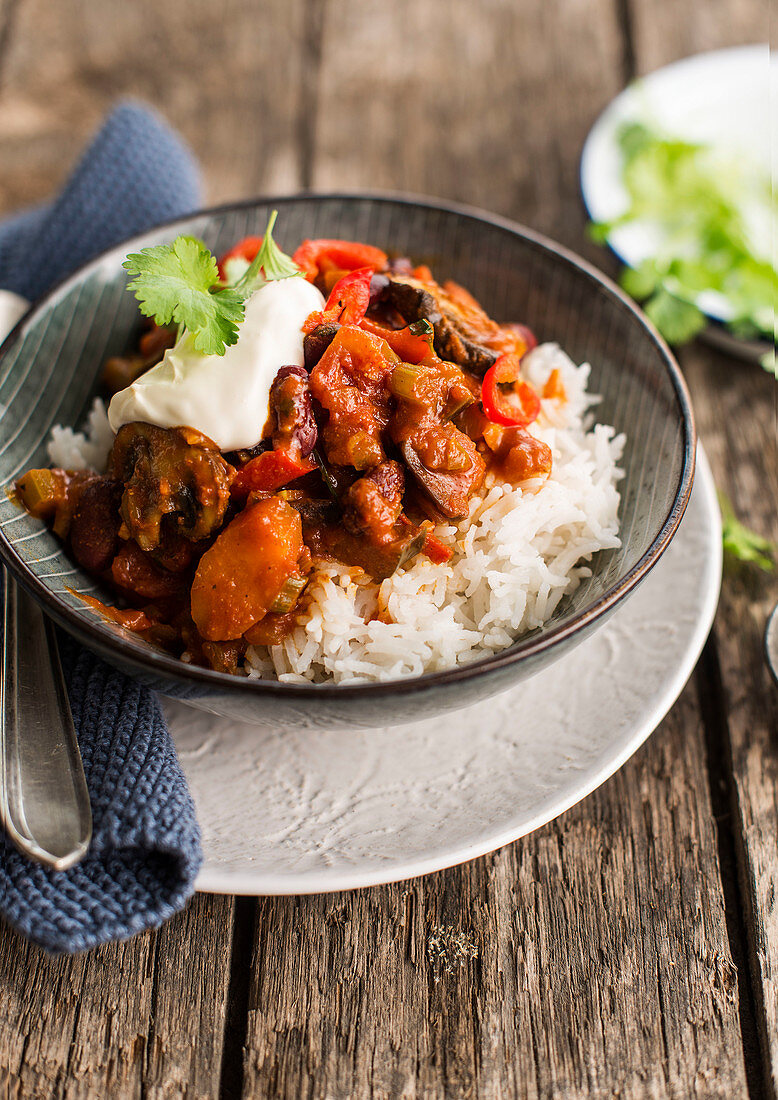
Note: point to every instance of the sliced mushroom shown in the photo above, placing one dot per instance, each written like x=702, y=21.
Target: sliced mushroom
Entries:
x=449, y=483
x=169, y=472
x=456, y=339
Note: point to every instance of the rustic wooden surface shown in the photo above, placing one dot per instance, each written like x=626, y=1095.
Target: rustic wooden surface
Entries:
x=631, y=947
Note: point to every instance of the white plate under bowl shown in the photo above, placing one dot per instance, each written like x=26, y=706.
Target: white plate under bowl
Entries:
x=303, y=813
x=721, y=98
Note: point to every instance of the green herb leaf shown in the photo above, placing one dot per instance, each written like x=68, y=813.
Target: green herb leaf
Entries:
x=269, y=264
x=640, y=282
x=769, y=362
x=743, y=544
x=634, y=138
x=744, y=330
x=678, y=321
x=691, y=197
x=172, y=278
x=179, y=283
x=175, y=283
x=599, y=231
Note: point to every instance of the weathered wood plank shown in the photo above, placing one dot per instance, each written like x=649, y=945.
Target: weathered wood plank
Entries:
x=588, y=960
x=735, y=406
x=142, y=1018
x=228, y=76
x=193, y=956
x=146, y=1017
x=662, y=33
x=8, y=10
x=487, y=105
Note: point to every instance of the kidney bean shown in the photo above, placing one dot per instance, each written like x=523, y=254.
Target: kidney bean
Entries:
x=400, y=265
x=316, y=343
x=139, y=575
x=290, y=403
x=94, y=529
x=378, y=287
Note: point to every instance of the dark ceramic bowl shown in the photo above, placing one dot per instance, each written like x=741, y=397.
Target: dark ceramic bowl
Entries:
x=50, y=362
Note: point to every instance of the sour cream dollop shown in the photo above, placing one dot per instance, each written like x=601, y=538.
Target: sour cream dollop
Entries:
x=226, y=396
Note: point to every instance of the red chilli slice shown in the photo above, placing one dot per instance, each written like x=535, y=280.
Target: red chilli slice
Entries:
x=506, y=397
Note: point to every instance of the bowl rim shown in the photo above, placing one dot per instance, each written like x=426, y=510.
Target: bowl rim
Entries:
x=158, y=663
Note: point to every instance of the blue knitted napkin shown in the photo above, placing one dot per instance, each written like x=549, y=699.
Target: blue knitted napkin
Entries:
x=145, y=851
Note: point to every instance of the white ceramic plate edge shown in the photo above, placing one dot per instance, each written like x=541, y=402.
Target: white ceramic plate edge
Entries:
x=218, y=881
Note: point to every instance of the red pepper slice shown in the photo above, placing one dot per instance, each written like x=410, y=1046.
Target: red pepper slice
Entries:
x=350, y=296
x=436, y=550
x=507, y=399
x=347, y=302
x=423, y=274
x=403, y=342
x=347, y=255
x=244, y=250
x=269, y=471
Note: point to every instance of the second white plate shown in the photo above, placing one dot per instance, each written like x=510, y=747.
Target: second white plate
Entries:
x=720, y=98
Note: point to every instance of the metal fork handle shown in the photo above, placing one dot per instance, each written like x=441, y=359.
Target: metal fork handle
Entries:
x=44, y=801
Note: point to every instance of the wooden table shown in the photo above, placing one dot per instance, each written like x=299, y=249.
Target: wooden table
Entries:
x=631, y=947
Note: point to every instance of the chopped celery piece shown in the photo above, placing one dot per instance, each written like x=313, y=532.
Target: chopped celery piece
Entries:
x=289, y=595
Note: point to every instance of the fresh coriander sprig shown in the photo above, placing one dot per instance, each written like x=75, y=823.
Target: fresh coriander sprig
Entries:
x=178, y=283
x=270, y=261
x=743, y=544
x=769, y=362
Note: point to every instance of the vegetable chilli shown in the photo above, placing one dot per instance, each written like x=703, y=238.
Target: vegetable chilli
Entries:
x=403, y=402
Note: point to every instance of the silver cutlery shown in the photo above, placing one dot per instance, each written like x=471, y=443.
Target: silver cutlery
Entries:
x=44, y=802
x=771, y=643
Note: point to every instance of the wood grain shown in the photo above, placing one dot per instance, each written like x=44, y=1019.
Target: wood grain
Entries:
x=228, y=76
x=659, y=36
x=144, y=1017
x=489, y=108
x=536, y=971
x=590, y=959
x=736, y=411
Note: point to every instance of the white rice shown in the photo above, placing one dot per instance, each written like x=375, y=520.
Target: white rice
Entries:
x=87, y=450
x=520, y=551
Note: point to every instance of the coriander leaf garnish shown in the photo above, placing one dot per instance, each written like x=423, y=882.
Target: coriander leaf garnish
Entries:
x=270, y=261
x=179, y=283
x=769, y=362
x=176, y=283
x=743, y=544
x=640, y=282
x=677, y=320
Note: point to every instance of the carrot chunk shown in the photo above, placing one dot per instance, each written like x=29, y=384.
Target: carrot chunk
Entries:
x=240, y=577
